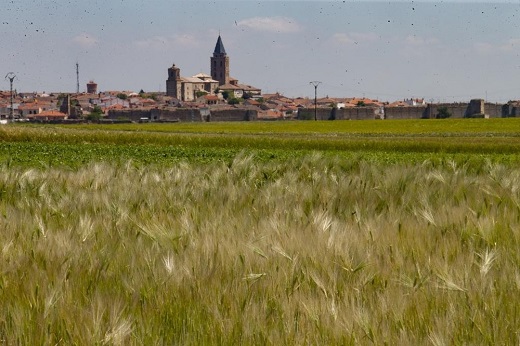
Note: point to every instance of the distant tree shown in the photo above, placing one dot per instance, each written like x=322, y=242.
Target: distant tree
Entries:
x=443, y=112
x=152, y=96
x=233, y=101
x=225, y=94
x=361, y=104
x=60, y=99
x=141, y=92
x=122, y=96
x=247, y=95
x=96, y=114
x=200, y=93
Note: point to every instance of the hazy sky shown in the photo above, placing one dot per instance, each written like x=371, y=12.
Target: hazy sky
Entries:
x=446, y=51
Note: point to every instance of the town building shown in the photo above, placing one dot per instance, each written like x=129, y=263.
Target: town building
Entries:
x=92, y=87
x=190, y=88
x=220, y=63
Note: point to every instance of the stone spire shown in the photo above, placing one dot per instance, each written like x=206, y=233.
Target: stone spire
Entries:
x=220, y=63
x=219, y=47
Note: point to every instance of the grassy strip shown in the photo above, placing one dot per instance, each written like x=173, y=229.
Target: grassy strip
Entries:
x=397, y=127
x=315, y=250
x=47, y=146
x=479, y=144
x=44, y=155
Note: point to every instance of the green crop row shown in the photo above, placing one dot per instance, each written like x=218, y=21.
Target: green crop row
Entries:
x=73, y=146
x=444, y=127
x=31, y=154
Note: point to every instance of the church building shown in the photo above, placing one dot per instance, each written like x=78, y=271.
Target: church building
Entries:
x=220, y=63
x=186, y=89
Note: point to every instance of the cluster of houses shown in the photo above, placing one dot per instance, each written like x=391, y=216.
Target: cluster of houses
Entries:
x=218, y=92
x=60, y=106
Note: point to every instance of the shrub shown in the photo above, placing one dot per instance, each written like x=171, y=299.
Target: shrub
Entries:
x=233, y=101
x=443, y=113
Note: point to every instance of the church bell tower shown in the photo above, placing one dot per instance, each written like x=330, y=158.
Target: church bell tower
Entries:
x=220, y=63
x=174, y=83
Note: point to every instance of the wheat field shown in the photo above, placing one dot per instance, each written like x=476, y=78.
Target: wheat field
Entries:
x=316, y=250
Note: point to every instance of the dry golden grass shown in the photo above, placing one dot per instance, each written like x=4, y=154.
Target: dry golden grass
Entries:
x=316, y=250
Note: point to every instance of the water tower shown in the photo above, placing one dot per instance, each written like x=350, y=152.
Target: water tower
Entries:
x=91, y=87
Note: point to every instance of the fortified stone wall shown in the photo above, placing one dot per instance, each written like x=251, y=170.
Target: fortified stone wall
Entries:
x=417, y=112
x=495, y=110
x=233, y=115
x=181, y=114
x=510, y=110
x=321, y=113
x=457, y=110
x=359, y=113
x=184, y=115
x=134, y=114
x=188, y=115
x=515, y=112
x=476, y=108
x=356, y=113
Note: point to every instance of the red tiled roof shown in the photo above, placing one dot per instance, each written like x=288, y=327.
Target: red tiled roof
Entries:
x=48, y=114
x=29, y=106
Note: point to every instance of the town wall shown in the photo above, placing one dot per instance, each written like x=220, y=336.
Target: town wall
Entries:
x=416, y=112
x=233, y=115
x=321, y=113
x=184, y=115
x=495, y=110
x=181, y=114
x=355, y=113
x=476, y=108
x=456, y=110
x=510, y=111
x=187, y=115
x=358, y=113
x=131, y=114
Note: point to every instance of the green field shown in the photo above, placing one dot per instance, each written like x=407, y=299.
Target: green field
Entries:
x=279, y=233
x=472, y=141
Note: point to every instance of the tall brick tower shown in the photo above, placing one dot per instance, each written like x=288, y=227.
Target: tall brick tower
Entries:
x=174, y=82
x=220, y=63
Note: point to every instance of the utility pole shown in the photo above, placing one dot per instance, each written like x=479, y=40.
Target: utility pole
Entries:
x=77, y=78
x=11, y=76
x=315, y=85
